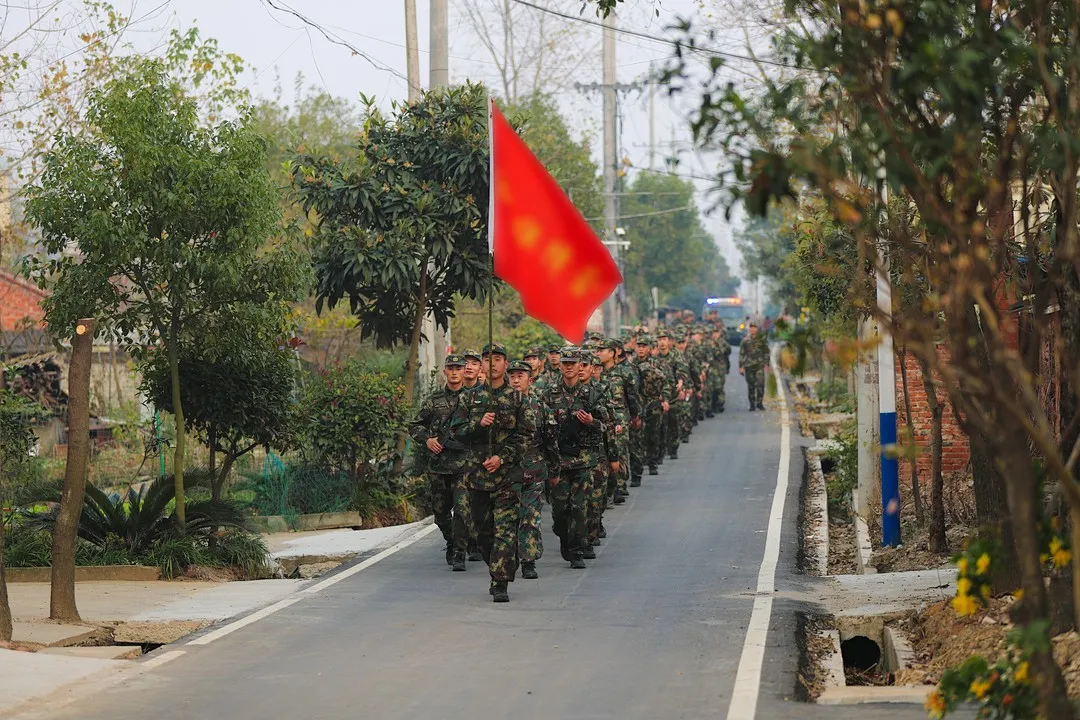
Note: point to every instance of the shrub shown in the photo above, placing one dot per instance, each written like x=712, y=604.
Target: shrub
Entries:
x=244, y=551
x=173, y=555
x=348, y=419
x=845, y=476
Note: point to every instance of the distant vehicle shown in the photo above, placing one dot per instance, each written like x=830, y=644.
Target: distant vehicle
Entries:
x=731, y=311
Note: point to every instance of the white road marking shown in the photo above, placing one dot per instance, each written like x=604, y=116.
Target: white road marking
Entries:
x=744, y=698
x=161, y=659
x=360, y=567
x=318, y=587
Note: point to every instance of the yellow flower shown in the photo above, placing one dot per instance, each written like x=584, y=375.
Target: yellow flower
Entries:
x=935, y=705
x=873, y=21
x=1020, y=675
x=982, y=564
x=962, y=565
x=963, y=586
x=1044, y=558
x=1062, y=558
x=1019, y=594
x=984, y=590
x=965, y=605
x=1055, y=545
x=979, y=688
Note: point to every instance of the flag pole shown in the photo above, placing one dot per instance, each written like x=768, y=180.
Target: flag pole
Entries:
x=491, y=255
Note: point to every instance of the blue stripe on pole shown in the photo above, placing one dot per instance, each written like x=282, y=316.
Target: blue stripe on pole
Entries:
x=890, y=482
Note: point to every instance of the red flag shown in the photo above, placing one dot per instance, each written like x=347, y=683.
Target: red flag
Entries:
x=543, y=247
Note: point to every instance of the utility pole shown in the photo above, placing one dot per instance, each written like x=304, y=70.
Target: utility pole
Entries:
x=434, y=342
x=652, y=120
x=611, y=160
x=439, y=68
x=412, y=51
x=890, y=471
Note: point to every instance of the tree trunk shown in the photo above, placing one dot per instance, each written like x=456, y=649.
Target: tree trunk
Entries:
x=181, y=431
x=220, y=478
x=5, y=607
x=939, y=542
x=212, y=460
x=1024, y=508
x=916, y=492
x=412, y=361
x=65, y=532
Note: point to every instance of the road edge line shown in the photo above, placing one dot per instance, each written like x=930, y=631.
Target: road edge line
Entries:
x=360, y=567
x=744, y=697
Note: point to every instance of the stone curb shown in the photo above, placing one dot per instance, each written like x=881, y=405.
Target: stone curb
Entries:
x=89, y=573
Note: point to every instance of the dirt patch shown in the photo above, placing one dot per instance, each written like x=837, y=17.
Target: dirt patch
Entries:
x=843, y=549
x=18, y=647
x=813, y=647
x=200, y=573
x=155, y=633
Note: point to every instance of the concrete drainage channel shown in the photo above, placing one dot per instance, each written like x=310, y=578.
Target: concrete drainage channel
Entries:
x=867, y=649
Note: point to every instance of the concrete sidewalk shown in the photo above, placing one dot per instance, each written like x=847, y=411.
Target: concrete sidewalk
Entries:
x=155, y=612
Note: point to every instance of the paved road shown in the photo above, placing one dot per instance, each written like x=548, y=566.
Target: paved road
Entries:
x=653, y=629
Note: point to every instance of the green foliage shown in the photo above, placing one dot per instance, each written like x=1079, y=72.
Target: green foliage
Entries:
x=174, y=554
x=669, y=247
x=1002, y=690
x=416, y=194
x=237, y=390
x=348, y=419
x=845, y=475
x=17, y=467
x=141, y=519
x=241, y=550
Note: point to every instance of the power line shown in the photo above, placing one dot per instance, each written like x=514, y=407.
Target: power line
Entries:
x=666, y=41
x=684, y=208
x=333, y=37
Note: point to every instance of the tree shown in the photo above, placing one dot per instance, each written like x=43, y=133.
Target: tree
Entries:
x=979, y=109
x=58, y=56
x=237, y=381
x=16, y=442
x=669, y=248
x=401, y=229
x=532, y=52
x=168, y=220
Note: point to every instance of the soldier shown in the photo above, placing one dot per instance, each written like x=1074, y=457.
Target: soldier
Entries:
x=654, y=394
x=473, y=362
x=624, y=407
x=666, y=362
x=435, y=427
x=626, y=361
x=753, y=357
x=534, y=357
x=497, y=429
x=681, y=379
x=688, y=409
x=596, y=500
x=575, y=414
x=531, y=475
x=719, y=366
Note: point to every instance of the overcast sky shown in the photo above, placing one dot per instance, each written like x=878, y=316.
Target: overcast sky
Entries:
x=278, y=46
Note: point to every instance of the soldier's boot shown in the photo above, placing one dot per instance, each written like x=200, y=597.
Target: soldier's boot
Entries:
x=459, y=562
x=603, y=531
x=620, y=498
x=752, y=408
x=588, y=553
x=449, y=552
x=635, y=481
x=577, y=563
x=721, y=408
x=710, y=414
x=499, y=593
x=528, y=570
x=564, y=549
x=474, y=552
x=674, y=453
x=653, y=470
x=760, y=406
x=596, y=542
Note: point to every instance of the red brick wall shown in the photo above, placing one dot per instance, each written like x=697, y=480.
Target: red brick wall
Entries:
x=19, y=302
x=954, y=443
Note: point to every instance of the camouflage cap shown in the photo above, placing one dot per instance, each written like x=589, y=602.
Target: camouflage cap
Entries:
x=535, y=351
x=474, y=354
x=596, y=360
x=646, y=340
x=520, y=366
x=569, y=354
x=662, y=333
x=609, y=344
x=454, y=361
x=554, y=348
x=495, y=349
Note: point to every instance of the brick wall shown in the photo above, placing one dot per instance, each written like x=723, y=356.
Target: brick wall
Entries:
x=954, y=443
x=20, y=303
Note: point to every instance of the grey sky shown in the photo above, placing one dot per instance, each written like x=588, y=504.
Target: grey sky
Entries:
x=279, y=46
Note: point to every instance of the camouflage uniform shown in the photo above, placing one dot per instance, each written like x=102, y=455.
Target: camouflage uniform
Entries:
x=579, y=449
x=440, y=416
x=630, y=371
x=493, y=502
x=655, y=388
x=719, y=366
x=624, y=406
x=529, y=480
x=678, y=424
x=753, y=357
